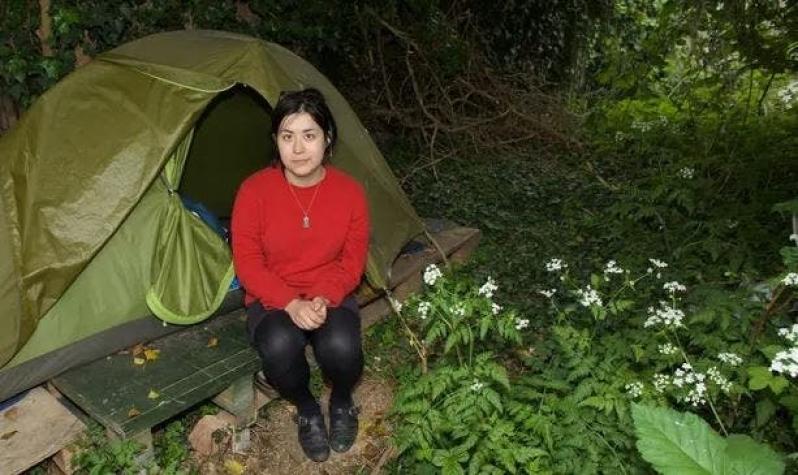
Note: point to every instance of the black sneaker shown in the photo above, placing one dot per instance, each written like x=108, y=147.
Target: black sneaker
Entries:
x=343, y=428
x=313, y=437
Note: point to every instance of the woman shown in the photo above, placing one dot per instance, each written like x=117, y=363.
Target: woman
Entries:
x=300, y=233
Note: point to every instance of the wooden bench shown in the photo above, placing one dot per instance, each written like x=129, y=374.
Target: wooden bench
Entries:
x=213, y=360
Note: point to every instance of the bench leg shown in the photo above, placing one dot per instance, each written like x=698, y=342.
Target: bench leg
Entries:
x=239, y=400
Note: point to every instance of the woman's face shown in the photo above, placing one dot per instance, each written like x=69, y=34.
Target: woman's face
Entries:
x=301, y=144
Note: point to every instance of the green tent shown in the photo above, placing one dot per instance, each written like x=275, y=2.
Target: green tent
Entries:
x=93, y=233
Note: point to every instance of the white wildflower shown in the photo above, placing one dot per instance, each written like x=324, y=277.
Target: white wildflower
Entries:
x=459, y=309
x=678, y=378
x=658, y=263
x=555, y=265
x=786, y=362
x=495, y=308
x=730, y=359
x=612, y=268
x=716, y=377
x=642, y=126
x=685, y=376
x=667, y=349
x=588, y=297
x=477, y=385
x=687, y=173
x=431, y=274
x=788, y=95
x=488, y=288
x=791, y=279
x=790, y=333
x=674, y=287
x=423, y=310
x=794, y=238
x=661, y=382
x=697, y=395
x=634, y=390
x=665, y=315
x=548, y=293
x=521, y=323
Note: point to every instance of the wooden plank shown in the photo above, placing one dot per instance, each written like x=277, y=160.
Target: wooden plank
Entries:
x=133, y=398
x=457, y=242
x=33, y=429
x=450, y=240
x=239, y=400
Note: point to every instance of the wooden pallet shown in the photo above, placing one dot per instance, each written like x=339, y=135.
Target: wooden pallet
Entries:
x=205, y=361
x=214, y=360
x=34, y=428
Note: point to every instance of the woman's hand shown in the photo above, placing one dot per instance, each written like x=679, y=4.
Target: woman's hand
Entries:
x=304, y=315
x=320, y=305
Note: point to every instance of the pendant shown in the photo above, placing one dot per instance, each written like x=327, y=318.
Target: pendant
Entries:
x=305, y=222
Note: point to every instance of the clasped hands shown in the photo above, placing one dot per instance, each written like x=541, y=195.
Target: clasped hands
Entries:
x=308, y=314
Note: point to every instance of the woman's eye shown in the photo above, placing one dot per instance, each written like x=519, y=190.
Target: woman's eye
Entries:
x=310, y=137
x=285, y=137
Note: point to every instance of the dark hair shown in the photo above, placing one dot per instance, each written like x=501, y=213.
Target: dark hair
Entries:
x=311, y=101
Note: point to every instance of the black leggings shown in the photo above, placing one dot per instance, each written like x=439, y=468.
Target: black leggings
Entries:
x=281, y=346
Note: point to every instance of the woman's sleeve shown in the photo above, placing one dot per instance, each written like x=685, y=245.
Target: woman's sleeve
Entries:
x=348, y=270
x=249, y=256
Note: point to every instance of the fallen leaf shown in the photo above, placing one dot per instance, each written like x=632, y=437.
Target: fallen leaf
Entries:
x=11, y=414
x=233, y=467
x=213, y=342
x=137, y=350
x=139, y=361
x=153, y=394
x=133, y=412
x=151, y=354
x=8, y=435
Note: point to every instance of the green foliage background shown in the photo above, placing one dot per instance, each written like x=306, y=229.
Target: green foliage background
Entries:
x=686, y=117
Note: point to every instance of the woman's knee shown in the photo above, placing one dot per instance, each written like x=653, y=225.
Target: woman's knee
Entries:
x=340, y=341
x=278, y=343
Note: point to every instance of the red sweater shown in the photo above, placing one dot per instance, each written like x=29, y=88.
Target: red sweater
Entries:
x=277, y=260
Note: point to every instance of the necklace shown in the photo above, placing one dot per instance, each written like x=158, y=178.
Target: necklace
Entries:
x=305, y=217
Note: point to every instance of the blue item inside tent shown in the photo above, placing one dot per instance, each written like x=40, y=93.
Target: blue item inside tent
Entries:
x=202, y=212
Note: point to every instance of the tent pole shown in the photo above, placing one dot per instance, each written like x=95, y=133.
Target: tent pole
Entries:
x=437, y=246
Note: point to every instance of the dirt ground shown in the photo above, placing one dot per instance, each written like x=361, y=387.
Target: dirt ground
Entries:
x=275, y=449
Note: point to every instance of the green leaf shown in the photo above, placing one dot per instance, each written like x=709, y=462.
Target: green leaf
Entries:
x=500, y=376
x=770, y=351
x=638, y=352
x=790, y=402
x=676, y=443
x=451, y=340
x=494, y=399
x=595, y=281
x=790, y=256
x=759, y=377
x=621, y=305
x=779, y=384
x=748, y=457
x=787, y=207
